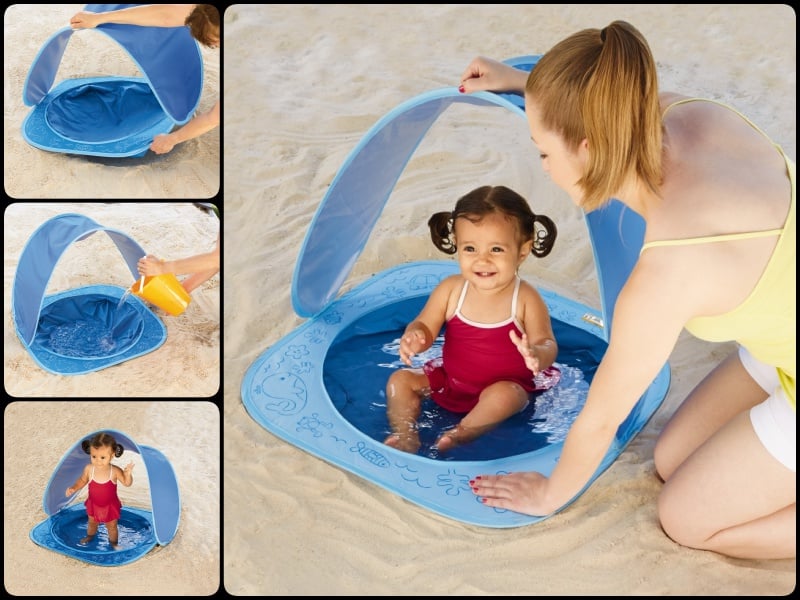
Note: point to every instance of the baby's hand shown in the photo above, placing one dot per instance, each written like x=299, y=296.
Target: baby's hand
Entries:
x=528, y=353
x=412, y=342
x=129, y=467
x=70, y=491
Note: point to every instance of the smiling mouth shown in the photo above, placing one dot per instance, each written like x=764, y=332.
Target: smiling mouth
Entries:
x=483, y=274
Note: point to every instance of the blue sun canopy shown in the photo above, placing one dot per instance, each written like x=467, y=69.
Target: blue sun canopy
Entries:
x=168, y=57
x=42, y=253
x=164, y=492
x=361, y=188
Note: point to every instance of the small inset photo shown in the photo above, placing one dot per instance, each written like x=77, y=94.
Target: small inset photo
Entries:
x=112, y=300
x=112, y=101
x=120, y=490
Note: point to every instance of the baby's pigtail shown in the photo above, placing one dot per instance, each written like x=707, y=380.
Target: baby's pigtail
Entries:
x=544, y=235
x=441, y=225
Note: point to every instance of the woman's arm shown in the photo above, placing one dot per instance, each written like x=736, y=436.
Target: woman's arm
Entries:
x=209, y=261
x=647, y=322
x=492, y=75
x=149, y=15
x=195, y=280
x=199, y=125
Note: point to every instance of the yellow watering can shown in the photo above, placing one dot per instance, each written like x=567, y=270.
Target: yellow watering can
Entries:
x=165, y=291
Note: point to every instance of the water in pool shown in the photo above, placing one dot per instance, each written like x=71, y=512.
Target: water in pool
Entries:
x=360, y=361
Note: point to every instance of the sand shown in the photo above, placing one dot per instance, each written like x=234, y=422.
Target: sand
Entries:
x=190, y=171
x=37, y=434
x=303, y=84
x=187, y=365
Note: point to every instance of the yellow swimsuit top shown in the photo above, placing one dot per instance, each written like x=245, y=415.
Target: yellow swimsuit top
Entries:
x=765, y=322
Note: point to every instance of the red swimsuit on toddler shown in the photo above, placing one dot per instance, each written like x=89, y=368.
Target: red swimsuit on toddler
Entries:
x=103, y=504
x=475, y=355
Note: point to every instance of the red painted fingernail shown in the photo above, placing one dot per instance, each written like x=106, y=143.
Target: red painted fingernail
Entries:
x=461, y=89
x=471, y=481
x=478, y=477
x=483, y=500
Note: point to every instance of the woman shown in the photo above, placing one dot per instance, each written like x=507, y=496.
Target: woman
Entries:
x=719, y=258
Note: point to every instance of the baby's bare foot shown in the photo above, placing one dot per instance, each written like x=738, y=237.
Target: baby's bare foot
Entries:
x=85, y=540
x=408, y=442
x=446, y=441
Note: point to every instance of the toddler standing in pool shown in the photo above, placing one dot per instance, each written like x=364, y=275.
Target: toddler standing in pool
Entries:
x=498, y=334
x=103, y=504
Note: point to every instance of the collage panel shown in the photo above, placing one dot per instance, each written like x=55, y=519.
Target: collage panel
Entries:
x=112, y=101
x=131, y=485
x=113, y=232
x=348, y=129
x=112, y=300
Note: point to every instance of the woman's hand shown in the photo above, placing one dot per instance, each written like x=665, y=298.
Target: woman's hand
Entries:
x=162, y=143
x=84, y=20
x=521, y=492
x=492, y=75
x=151, y=266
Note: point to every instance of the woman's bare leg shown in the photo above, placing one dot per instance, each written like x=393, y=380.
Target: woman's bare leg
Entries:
x=733, y=497
x=725, y=392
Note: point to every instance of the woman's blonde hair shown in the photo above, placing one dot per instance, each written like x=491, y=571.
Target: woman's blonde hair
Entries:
x=601, y=85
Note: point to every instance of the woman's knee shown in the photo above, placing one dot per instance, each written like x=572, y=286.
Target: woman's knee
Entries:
x=662, y=459
x=673, y=520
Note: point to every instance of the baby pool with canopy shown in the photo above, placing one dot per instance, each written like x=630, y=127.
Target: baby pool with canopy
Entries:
x=314, y=386
x=87, y=328
x=140, y=529
x=114, y=116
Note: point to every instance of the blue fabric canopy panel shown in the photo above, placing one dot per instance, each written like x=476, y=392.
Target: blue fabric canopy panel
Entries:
x=139, y=529
x=114, y=116
x=86, y=328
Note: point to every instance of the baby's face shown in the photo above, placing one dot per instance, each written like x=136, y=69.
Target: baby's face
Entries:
x=101, y=456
